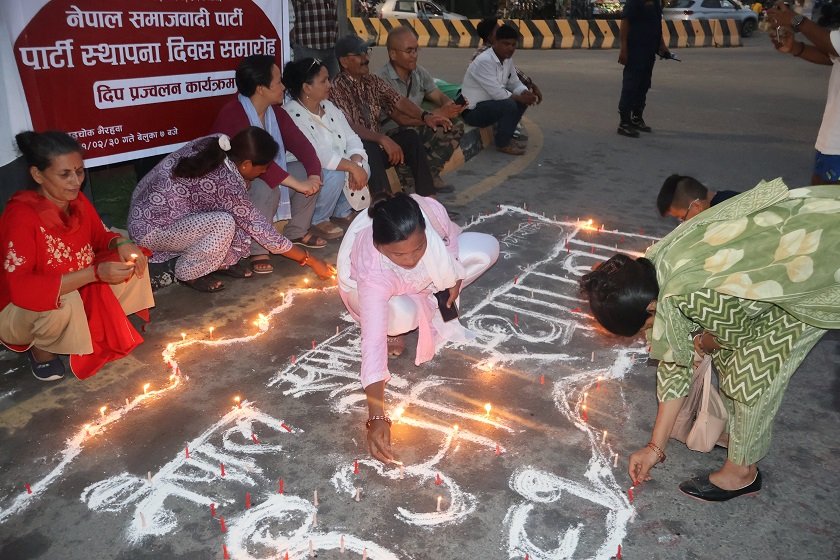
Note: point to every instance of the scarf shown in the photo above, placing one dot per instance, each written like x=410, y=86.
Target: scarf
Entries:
x=284, y=210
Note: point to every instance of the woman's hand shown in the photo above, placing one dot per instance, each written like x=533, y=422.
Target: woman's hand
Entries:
x=640, y=464
x=379, y=441
x=358, y=177
x=323, y=270
x=705, y=343
x=132, y=254
x=392, y=150
x=114, y=272
x=454, y=291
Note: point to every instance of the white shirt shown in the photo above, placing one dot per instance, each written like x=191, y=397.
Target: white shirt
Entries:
x=828, y=139
x=330, y=135
x=488, y=78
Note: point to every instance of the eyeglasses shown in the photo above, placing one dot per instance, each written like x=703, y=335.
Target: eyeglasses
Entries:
x=687, y=210
x=413, y=51
x=314, y=62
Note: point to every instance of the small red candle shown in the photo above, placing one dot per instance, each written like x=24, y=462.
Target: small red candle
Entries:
x=222, y=524
x=515, y=320
x=356, y=466
x=222, y=465
x=187, y=451
x=285, y=427
x=225, y=552
x=313, y=345
x=630, y=494
x=28, y=488
x=438, y=480
x=247, y=500
x=280, y=486
x=542, y=379
x=212, y=510
x=584, y=414
x=254, y=437
x=498, y=449
x=515, y=279
x=618, y=554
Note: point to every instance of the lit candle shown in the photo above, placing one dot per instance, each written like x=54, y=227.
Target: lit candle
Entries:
x=355, y=466
x=585, y=416
x=222, y=466
x=237, y=399
x=254, y=438
x=438, y=480
x=211, y=329
x=498, y=449
x=225, y=554
x=306, y=281
x=280, y=486
x=315, y=499
x=487, y=408
x=585, y=396
x=126, y=401
x=313, y=345
x=102, y=410
x=542, y=379
x=598, y=383
x=455, y=428
x=630, y=494
x=86, y=428
x=604, y=437
x=183, y=336
x=28, y=488
x=438, y=502
x=186, y=451
x=398, y=413
x=146, y=388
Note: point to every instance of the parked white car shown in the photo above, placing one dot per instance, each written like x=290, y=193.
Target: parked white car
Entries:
x=425, y=9
x=712, y=9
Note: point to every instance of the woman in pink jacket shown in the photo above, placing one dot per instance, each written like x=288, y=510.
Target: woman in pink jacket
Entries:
x=392, y=262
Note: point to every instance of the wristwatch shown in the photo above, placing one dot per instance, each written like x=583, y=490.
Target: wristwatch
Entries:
x=423, y=115
x=796, y=21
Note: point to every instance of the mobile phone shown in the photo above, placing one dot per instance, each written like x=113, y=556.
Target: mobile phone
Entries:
x=448, y=313
x=460, y=100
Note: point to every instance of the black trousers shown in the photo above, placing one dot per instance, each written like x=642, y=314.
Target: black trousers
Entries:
x=636, y=81
x=415, y=159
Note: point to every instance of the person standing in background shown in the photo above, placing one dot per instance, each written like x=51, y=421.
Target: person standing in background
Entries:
x=641, y=40
x=315, y=32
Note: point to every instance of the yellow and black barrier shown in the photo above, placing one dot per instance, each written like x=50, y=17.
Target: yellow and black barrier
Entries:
x=551, y=33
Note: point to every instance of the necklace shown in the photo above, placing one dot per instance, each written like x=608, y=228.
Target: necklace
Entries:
x=317, y=114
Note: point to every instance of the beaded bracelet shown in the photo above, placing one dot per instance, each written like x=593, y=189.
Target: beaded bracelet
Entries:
x=377, y=417
x=658, y=451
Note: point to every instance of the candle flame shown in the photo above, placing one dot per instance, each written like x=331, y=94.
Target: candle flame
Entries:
x=306, y=280
x=146, y=388
x=398, y=413
x=237, y=399
x=261, y=322
x=487, y=408
x=455, y=427
x=183, y=336
x=102, y=410
x=211, y=329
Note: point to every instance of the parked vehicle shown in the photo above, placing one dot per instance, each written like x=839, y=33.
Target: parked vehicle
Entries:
x=425, y=9
x=712, y=9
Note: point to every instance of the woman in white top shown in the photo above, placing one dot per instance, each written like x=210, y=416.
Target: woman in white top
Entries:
x=343, y=158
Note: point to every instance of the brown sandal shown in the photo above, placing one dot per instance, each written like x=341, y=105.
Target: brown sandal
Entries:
x=261, y=266
x=205, y=283
x=310, y=240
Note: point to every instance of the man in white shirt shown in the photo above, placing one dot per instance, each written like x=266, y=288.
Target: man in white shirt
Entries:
x=824, y=50
x=494, y=93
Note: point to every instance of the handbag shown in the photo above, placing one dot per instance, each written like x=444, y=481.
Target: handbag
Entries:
x=359, y=200
x=701, y=422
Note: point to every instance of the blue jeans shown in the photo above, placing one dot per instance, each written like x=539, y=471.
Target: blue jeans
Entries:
x=331, y=200
x=504, y=113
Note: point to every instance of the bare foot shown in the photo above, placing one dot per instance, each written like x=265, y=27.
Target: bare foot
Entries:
x=396, y=345
x=732, y=476
x=42, y=356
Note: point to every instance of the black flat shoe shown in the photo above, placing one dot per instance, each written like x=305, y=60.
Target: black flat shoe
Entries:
x=702, y=488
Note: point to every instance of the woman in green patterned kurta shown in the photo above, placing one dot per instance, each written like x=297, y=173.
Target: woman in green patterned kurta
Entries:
x=759, y=276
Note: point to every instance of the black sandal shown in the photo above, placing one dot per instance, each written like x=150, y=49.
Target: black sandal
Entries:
x=238, y=270
x=204, y=283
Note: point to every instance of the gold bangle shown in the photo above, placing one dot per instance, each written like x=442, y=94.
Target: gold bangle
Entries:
x=657, y=450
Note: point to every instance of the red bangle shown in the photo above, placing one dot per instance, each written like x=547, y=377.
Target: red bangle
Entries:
x=96, y=274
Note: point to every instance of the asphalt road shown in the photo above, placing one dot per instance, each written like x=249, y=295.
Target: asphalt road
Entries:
x=532, y=476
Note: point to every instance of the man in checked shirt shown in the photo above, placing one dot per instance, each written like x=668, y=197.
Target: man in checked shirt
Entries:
x=315, y=32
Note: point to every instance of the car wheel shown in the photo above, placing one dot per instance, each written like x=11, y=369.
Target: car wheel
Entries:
x=748, y=27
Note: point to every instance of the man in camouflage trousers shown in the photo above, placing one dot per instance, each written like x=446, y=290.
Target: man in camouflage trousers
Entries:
x=414, y=82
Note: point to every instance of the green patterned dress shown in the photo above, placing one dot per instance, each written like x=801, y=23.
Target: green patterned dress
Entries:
x=761, y=271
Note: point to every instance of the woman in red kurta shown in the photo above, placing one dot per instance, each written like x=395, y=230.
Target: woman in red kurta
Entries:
x=67, y=282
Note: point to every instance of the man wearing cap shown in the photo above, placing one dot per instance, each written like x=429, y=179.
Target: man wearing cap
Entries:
x=364, y=97
x=415, y=82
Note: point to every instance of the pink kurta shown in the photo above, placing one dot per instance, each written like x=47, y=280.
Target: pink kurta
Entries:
x=377, y=280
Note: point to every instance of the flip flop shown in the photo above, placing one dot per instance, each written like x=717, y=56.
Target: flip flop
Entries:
x=310, y=240
x=261, y=266
x=204, y=284
x=238, y=270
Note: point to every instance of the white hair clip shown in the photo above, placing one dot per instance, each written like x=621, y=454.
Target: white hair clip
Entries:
x=224, y=142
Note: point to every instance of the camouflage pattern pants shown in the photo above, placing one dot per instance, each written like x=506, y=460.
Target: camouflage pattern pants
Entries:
x=439, y=144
